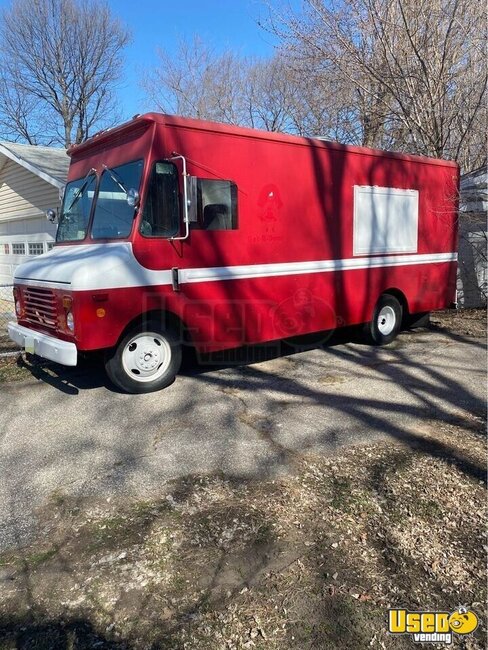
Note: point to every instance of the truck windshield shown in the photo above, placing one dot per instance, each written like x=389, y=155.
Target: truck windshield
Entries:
x=75, y=212
x=114, y=215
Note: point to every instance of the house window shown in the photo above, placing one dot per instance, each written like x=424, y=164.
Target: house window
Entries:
x=6, y=249
x=49, y=245
x=18, y=249
x=36, y=249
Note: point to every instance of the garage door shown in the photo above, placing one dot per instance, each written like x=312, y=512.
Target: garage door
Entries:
x=21, y=240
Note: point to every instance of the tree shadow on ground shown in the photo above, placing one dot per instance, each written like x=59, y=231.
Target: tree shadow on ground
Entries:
x=54, y=635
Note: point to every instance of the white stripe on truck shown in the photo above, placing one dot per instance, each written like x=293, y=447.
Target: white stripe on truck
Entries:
x=89, y=268
x=301, y=268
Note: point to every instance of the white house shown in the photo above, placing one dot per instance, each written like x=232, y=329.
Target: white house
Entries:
x=31, y=181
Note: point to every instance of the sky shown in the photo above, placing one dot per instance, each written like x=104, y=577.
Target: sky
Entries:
x=225, y=24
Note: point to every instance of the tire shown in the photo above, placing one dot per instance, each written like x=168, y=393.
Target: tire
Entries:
x=145, y=360
x=386, y=321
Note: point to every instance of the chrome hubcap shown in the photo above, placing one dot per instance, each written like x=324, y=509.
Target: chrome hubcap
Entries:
x=386, y=320
x=146, y=356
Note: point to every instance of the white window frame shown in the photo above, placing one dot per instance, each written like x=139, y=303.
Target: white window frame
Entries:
x=35, y=244
x=18, y=244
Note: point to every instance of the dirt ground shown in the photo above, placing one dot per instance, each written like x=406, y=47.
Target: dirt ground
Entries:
x=311, y=559
x=466, y=322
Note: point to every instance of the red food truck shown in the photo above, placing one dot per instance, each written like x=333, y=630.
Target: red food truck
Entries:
x=176, y=231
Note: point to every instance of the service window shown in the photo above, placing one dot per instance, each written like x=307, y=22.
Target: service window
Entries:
x=160, y=217
x=216, y=205
x=385, y=220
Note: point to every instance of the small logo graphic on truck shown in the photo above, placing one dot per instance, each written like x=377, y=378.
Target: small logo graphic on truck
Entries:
x=270, y=202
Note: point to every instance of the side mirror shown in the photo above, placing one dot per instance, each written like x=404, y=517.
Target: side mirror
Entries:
x=133, y=198
x=51, y=215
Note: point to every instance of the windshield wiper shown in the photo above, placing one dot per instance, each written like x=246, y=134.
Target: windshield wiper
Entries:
x=116, y=179
x=81, y=190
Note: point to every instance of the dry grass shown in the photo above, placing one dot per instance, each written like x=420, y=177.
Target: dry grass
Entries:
x=465, y=322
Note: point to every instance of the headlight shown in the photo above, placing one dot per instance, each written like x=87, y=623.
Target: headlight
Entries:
x=70, y=321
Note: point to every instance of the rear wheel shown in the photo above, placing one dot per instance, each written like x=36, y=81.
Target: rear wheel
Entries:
x=386, y=321
x=145, y=360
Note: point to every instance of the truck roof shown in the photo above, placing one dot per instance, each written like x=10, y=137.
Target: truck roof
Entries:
x=144, y=121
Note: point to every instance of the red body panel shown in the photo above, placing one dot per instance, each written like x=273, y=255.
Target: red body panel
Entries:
x=295, y=204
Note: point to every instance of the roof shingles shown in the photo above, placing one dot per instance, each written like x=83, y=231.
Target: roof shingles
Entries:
x=49, y=161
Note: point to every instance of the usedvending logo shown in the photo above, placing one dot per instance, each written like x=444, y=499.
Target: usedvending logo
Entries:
x=432, y=627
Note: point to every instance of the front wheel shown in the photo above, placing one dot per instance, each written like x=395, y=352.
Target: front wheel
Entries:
x=386, y=321
x=145, y=360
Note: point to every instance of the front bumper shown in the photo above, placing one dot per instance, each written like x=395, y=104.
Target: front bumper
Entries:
x=43, y=345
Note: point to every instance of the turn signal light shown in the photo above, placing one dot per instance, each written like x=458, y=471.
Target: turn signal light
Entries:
x=18, y=302
x=67, y=305
x=67, y=302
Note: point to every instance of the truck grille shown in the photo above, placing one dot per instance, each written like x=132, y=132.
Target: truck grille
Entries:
x=40, y=307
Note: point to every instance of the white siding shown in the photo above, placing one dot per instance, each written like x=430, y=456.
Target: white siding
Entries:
x=24, y=195
x=23, y=199
x=472, y=281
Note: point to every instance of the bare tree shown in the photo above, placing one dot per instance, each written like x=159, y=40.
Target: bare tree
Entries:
x=198, y=82
x=60, y=61
x=271, y=95
x=322, y=104
x=16, y=114
x=413, y=71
